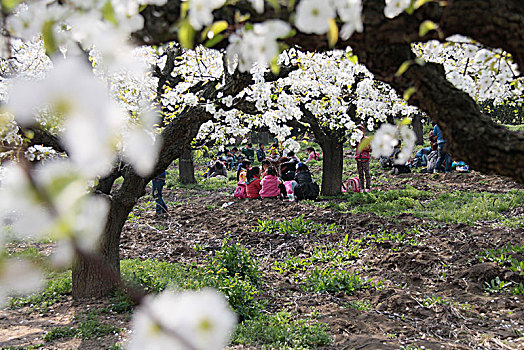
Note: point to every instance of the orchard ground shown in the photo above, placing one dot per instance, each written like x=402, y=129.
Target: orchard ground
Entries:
x=428, y=261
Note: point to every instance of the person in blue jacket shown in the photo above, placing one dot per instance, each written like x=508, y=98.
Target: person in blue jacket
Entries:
x=158, y=184
x=443, y=155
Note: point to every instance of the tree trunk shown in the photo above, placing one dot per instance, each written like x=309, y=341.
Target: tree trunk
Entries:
x=332, y=166
x=97, y=275
x=418, y=129
x=186, y=167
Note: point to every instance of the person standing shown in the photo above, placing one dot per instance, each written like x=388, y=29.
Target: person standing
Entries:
x=362, y=156
x=158, y=184
x=443, y=155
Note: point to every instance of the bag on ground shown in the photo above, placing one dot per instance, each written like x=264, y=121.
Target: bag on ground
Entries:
x=354, y=185
x=240, y=191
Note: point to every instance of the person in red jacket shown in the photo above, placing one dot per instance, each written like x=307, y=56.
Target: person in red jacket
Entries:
x=253, y=185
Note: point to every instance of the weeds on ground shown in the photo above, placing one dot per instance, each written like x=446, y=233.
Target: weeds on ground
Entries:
x=506, y=256
x=362, y=305
x=332, y=280
x=232, y=271
x=337, y=255
x=281, y=331
x=295, y=226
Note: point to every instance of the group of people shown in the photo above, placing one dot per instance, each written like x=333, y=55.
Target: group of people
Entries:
x=278, y=177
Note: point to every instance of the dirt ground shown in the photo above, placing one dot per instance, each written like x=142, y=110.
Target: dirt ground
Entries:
x=443, y=265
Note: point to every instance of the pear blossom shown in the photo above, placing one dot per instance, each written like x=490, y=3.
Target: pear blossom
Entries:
x=171, y=320
x=200, y=12
x=313, y=16
x=17, y=277
x=395, y=7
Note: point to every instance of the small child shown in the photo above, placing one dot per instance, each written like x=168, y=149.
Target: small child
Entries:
x=253, y=185
x=362, y=156
x=243, y=167
x=313, y=155
x=270, y=184
x=158, y=183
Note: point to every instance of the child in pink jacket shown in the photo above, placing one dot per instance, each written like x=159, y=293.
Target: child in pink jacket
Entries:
x=270, y=184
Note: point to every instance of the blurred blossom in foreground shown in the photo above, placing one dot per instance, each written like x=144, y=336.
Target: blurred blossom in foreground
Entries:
x=388, y=136
x=203, y=319
x=18, y=277
x=57, y=203
x=90, y=119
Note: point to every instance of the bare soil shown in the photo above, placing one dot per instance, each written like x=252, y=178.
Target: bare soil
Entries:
x=443, y=265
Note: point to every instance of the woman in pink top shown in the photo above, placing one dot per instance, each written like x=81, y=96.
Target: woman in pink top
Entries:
x=362, y=156
x=270, y=184
x=312, y=154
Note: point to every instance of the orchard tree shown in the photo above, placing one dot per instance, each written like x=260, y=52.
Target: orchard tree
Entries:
x=98, y=133
x=381, y=34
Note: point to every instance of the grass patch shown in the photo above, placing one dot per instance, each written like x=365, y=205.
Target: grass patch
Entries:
x=232, y=271
x=468, y=207
x=89, y=327
x=280, y=331
x=58, y=285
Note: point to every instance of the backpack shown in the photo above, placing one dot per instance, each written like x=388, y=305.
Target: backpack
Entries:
x=354, y=184
x=240, y=191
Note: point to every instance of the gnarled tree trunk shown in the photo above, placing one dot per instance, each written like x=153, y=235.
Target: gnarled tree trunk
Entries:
x=186, y=168
x=332, y=166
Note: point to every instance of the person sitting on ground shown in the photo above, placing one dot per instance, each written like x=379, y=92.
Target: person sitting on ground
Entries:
x=287, y=168
x=261, y=154
x=270, y=182
x=158, y=183
x=292, y=156
x=362, y=156
x=265, y=165
x=218, y=170
x=444, y=158
x=313, y=155
x=387, y=162
x=253, y=185
x=303, y=186
x=242, y=170
x=249, y=152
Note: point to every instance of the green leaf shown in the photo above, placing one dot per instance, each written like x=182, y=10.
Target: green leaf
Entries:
x=408, y=93
x=275, y=4
x=407, y=120
x=49, y=37
x=214, y=29
x=332, y=33
x=186, y=34
x=353, y=59
x=419, y=3
x=403, y=68
x=8, y=5
x=426, y=26
x=108, y=12
x=275, y=68
x=183, y=9
x=215, y=40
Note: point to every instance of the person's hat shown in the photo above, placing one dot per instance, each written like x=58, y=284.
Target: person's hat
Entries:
x=299, y=165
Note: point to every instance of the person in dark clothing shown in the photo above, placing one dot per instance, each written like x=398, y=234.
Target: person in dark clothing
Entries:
x=158, y=184
x=261, y=154
x=304, y=187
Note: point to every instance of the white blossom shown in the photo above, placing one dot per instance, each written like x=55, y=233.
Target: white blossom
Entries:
x=202, y=319
x=18, y=276
x=200, y=12
x=395, y=7
x=312, y=16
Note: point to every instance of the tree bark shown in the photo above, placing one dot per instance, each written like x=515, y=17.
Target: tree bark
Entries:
x=418, y=129
x=186, y=167
x=332, y=166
